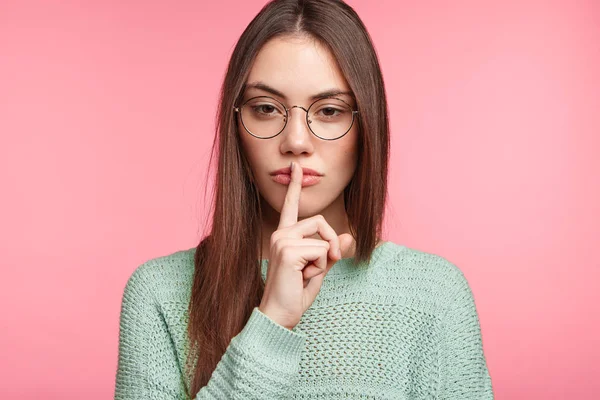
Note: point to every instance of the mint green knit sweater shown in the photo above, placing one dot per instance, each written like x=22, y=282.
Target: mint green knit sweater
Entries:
x=403, y=326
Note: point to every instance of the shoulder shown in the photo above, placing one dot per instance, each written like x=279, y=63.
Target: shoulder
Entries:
x=426, y=264
x=428, y=278
x=407, y=260
x=162, y=273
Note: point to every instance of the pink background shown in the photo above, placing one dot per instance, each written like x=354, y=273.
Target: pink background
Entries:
x=106, y=117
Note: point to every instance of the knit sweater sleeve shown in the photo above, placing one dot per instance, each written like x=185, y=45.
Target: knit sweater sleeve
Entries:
x=464, y=372
x=262, y=361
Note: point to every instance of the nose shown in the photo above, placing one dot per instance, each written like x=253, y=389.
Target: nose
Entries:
x=297, y=137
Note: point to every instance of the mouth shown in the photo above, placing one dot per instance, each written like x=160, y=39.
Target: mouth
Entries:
x=288, y=171
x=309, y=176
x=307, y=180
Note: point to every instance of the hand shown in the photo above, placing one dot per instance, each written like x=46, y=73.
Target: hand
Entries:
x=298, y=264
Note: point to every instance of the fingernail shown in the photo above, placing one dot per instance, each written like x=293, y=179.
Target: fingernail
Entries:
x=292, y=166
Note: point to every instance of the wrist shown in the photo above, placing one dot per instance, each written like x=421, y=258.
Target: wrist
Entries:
x=273, y=316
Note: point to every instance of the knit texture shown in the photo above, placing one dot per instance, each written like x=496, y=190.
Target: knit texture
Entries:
x=402, y=326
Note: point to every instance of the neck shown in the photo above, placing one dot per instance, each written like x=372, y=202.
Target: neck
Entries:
x=334, y=214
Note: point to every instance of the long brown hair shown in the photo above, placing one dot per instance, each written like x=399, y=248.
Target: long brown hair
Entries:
x=227, y=281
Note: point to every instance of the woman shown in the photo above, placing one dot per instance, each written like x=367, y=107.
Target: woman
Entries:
x=294, y=294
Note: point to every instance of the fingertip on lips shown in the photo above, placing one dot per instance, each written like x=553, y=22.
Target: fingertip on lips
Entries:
x=298, y=174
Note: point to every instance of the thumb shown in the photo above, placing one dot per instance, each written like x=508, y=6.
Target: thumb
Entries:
x=347, y=245
x=348, y=248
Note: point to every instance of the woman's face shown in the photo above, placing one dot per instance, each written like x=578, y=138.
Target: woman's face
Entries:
x=299, y=69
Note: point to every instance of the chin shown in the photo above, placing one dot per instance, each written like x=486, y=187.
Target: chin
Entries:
x=306, y=208
x=306, y=212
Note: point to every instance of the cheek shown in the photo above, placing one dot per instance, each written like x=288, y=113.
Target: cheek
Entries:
x=248, y=145
x=256, y=153
x=348, y=151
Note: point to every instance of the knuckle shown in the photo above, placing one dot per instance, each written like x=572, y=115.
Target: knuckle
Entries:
x=278, y=246
x=319, y=220
x=274, y=239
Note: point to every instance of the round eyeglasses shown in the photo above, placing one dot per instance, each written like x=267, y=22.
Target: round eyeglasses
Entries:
x=328, y=118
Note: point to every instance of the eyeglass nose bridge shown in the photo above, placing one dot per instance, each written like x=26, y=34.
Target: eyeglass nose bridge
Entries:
x=288, y=109
x=287, y=115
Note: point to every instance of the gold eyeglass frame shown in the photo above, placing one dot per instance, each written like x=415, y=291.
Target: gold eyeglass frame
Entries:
x=286, y=117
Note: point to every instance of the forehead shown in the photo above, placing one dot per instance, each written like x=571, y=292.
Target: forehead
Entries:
x=298, y=67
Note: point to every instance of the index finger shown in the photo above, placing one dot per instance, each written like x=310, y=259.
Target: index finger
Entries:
x=289, y=211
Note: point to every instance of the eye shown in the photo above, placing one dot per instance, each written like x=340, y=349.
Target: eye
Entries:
x=265, y=109
x=329, y=111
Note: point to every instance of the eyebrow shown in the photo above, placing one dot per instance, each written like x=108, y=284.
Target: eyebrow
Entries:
x=327, y=93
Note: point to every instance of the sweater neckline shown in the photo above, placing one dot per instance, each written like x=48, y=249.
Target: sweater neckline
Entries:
x=346, y=266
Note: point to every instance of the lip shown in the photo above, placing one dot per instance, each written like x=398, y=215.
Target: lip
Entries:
x=287, y=171
x=307, y=180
